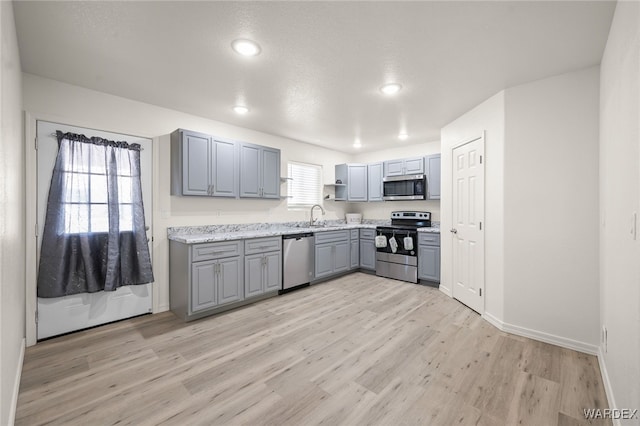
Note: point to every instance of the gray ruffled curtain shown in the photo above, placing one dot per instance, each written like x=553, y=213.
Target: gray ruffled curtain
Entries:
x=94, y=235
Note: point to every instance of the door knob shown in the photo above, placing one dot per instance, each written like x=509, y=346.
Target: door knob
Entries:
x=453, y=230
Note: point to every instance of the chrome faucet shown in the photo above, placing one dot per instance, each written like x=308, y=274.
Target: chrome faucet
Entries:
x=313, y=207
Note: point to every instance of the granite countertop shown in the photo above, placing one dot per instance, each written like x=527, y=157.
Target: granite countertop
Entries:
x=213, y=233
x=431, y=229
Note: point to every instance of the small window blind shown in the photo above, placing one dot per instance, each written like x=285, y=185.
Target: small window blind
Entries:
x=304, y=187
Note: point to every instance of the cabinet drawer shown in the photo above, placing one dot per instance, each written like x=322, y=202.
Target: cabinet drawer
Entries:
x=262, y=245
x=210, y=251
x=428, y=239
x=328, y=237
x=355, y=234
x=367, y=234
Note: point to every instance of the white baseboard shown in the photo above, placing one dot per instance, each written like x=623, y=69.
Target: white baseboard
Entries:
x=541, y=336
x=551, y=338
x=445, y=290
x=497, y=323
x=162, y=308
x=16, y=384
x=607, y=385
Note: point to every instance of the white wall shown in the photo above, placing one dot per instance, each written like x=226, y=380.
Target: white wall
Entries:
x=12, y=213
x=382, y=210
x=541, y=198
x=78, y=106
x=619, y=198
x=487, y=117
x=551, y=208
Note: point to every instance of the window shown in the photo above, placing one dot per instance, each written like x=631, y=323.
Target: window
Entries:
x=85, y=198
x=304, y=186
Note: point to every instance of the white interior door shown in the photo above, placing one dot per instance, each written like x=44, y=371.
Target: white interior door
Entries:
x=467, y=232
x=61, y=315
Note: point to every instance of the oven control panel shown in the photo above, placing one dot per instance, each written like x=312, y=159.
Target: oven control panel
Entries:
x=411, y=215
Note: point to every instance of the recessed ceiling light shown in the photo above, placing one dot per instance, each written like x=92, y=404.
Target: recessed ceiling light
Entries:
x=403, y=136
x=357, y=144
x=390, y=88
x=246, y=47
x=239, y=109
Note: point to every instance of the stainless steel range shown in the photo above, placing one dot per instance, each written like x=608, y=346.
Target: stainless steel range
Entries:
x=396, y=245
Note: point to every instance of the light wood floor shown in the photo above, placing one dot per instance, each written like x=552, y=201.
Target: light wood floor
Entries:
x=354, y=351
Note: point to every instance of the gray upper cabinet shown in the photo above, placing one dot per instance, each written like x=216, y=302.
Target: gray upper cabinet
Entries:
x=414, y=166
x=374, y=181
x=270, y=173
x=405, y=166
x=203, y=165
x=394, y=168
x=224, y=173
x=354, y=176
x=432, y=163
x=249, y=170
x=190, y=163
x=259, y=171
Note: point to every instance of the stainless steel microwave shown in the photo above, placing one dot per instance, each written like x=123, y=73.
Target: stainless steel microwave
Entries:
x=412, y=187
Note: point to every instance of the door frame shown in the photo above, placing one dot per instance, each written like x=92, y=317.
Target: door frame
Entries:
x=31, y=185
x=482, y=138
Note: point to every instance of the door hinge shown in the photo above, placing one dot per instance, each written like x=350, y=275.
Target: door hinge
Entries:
x=36, y=142
x=481, y=226
x=36, y=317
x=480, y=292
x=481, y=159
x=36, y=230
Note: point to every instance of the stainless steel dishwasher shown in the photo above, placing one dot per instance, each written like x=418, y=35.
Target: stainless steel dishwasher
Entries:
x=298, y=259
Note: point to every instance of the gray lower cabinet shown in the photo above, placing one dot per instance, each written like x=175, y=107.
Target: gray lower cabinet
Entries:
x=203, y=165
x=367, y=249
x=229, y=281
x=205, y=277
x=429, y=257
x=262, y=266
x=215, y=282
x=432, y=163
x=259, y=171
x=203, y=285
x=332, y=253
x=354, y=241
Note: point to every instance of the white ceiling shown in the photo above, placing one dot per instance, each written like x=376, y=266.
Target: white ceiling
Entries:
x=322, y=63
